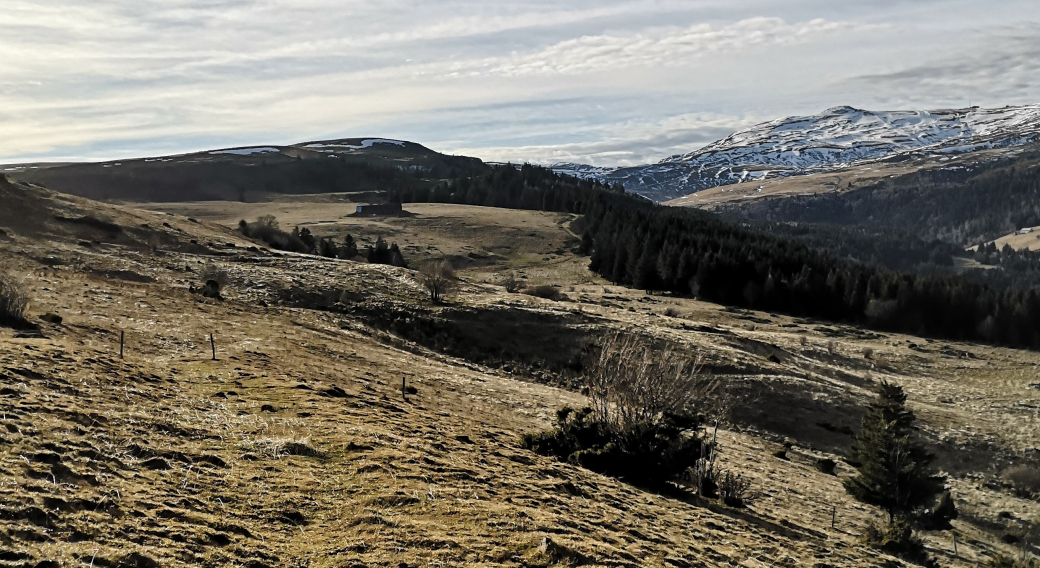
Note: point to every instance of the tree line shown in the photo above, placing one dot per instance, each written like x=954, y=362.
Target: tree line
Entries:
x=266, y=229
x=958, y=204
x=690, y=252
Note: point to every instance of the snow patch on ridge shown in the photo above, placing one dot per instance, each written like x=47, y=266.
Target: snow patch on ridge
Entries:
x=836, y=138
x=364, y=144
x=246, y=151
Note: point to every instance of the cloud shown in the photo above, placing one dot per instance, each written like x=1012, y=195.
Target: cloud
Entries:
x=602, y=81
x=995, y=68
x=625, y=143
x=669, y=47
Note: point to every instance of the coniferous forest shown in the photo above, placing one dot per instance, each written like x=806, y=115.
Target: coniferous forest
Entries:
x=636, y=243
x=956, y=205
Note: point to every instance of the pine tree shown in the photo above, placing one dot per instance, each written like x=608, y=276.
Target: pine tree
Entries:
x=395, y=257
x=327, y=247
x=349, y=249
x=380, y=253
x=307, y=238
x=645, y=270
x=586, y=242
x=893, y=467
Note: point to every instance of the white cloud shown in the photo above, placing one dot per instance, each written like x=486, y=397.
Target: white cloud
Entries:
x=669, y=47
x=996, y=68
x=603, y=81
x=625, y=143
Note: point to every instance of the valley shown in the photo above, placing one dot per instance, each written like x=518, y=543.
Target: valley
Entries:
x=294, y=445
x=594, y=284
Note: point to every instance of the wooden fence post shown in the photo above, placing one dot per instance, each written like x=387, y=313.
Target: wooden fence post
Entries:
x=121, y=334
x=213, y=346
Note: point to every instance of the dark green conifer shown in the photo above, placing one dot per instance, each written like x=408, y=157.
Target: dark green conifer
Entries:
x=894, y=470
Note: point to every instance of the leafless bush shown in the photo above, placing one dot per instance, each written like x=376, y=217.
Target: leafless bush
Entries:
x=267, y=222
x=881, y=310
x=643, y=423
x=215, y=273
x=826, y=465
x=547, y=291
x=1025, y=479
x=511, y=284
x=733, y=488
x=832, y=346
x=290, y=446
x=672, y=312
x=868, y=352
x=438, y=278
x=705, y=474
x=14, y=299
x=633, y=383
x=803, y=341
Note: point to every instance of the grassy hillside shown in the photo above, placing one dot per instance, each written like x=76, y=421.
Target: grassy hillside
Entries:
x=295, y=446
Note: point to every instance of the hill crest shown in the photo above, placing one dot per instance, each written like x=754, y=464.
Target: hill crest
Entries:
x=836, y=138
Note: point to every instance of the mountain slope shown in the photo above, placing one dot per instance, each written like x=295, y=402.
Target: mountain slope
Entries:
x=836, y=138
x=959, y=204
x=250, y=173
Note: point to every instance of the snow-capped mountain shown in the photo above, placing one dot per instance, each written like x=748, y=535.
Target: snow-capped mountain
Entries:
x=836, y=138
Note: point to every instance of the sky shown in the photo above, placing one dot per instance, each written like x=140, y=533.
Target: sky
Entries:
x=602, y=82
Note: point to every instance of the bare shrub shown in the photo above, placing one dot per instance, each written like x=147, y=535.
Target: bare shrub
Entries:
x=643, y=421
x=438, y=278
x=511, y=284
x=803, y=341
x=14, y=299
x=633, y=382
x=826, y=465
x=1024, y=478
x=705, y=474
x=672, y=312
x=898, y=539
x=832, y=346
x=733, y=489
x=286, y=446
x=881, y=310
x=215, y=273
x=267, y=222
x=868, y=352
x=547, y=291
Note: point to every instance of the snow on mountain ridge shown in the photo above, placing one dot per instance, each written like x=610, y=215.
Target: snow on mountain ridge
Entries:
x=838, y=137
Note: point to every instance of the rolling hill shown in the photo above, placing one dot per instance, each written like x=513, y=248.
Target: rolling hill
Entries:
x=355, y=165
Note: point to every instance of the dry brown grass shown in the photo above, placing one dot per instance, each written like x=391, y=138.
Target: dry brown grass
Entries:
x=438, y=479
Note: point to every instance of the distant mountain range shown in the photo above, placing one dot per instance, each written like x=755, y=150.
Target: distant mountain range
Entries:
x=353, y=165
x=836, y=138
